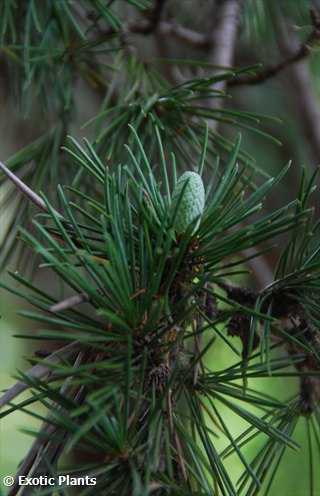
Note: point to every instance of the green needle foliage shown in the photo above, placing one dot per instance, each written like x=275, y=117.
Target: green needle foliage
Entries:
x=146, y=227
x=50, y=48
x=130, y=390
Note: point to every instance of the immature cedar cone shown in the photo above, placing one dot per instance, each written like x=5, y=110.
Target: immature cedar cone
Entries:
x=191, y=203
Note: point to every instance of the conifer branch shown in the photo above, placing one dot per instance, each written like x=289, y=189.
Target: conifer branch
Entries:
x=154, y=250
x=227, y=14
x=293, y=57
x=25, y=190
x=38, y=372
x=301, y=90
x=69, y=302
x=223, y=42
x=182, y=33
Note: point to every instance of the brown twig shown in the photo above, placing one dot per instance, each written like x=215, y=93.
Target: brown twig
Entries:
x=38, y=371
x=222, y=42
x=154, y=16
x=193, y=38
x=259, y=266
x=224, y=38
x=47, y=446
x=142, y=26
x=175, y=436
x=299, y=83
x=36, y=199
x=25, y=190
x=69, y=302
x=300, y=53
x=45, y=432
x=180, y=456
x=151, y=24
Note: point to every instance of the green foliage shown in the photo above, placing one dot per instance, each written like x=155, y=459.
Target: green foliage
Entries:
x=145, y=227
x=133, y=392
x=261, y=17
x=51, y=47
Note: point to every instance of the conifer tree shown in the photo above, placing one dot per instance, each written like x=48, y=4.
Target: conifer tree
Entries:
x=149, y=218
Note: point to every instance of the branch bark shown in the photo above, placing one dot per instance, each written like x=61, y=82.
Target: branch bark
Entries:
x=31, y=195
x=48, y=445
x=293, y=56
x=224, y=35
x=299, y=82
x=181, y=33
x=223, y=42
x=38, y=372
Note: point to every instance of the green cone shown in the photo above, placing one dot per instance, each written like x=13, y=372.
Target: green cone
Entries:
x=192, y=202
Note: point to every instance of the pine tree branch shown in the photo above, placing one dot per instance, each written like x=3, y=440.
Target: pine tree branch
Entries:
x=260, y=268
x=109, y=404
x=53, y=447
x=179, y=32
x=69, y=302
x=45, y=431
x=154, y=16
x=150, y=25
x=38, y=372
x=33, y=197
x=224, y=35
x=223, y=39
x=301, y=89
x=142, y=26
x=47, y=446
x=299, y=54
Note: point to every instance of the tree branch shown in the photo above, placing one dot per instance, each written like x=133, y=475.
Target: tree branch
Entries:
x=223, y=40
x=193, y=38
x=300, y=87
x=153, y=15
x=142, y=26
x=48, y=444
x=224, y=35
x=33, y=197
x=69, y=302
x=300, y=53
x=38, y=372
